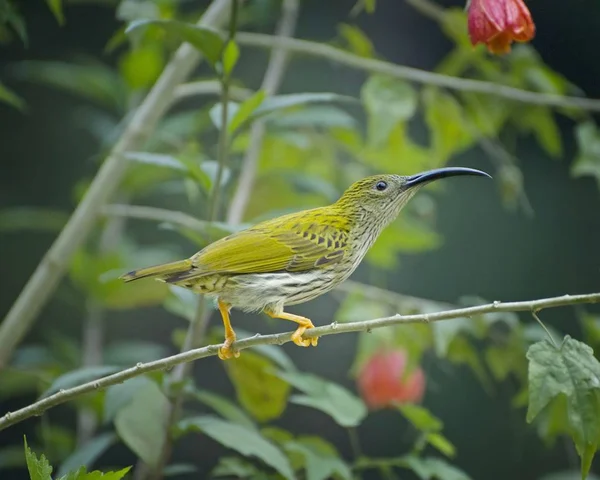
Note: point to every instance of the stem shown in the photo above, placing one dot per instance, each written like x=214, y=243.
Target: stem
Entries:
x=537, y=319
x=199, y=324
x=354, y=442
x=37, y=408
x=50, y=270
x=339, y=56
x=93, y=328
x=270, y=84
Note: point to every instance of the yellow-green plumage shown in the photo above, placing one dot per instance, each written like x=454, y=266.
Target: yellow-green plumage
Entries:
x=296, y=257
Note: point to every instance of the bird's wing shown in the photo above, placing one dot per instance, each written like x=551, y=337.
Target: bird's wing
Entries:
x=293, y=243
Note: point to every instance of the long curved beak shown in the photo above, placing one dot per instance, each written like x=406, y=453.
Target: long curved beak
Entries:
x=431, y=175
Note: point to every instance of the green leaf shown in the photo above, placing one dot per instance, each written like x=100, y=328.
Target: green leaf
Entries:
x=39, y=468
x=57, y=10
x=140, y=67
x=321, y=460
x=246, y=109
x=572, y=371
x=78, y=377
x=434, y=468
x=206, y=40
x=82, y=474
x=33, y=219
x=441, y=443
x=388, y=102
x=224, y=407
x=11, y=98
x=120, y=395
x=447, y=124
x=241, y=439
x=230, y=57
x=236, y=467
x=344, y=407
x=94, y=81
x=357, y=41
x=179, y=469
x=568, y=475
x=263, y=394
x=142, y=423
x=130, y=352
x=421, y=418
x=587, y=162
x=87, y=454
x=314, y=116
x=540, y=121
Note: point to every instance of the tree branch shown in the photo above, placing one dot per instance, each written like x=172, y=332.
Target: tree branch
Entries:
x=63, y=396
x=50, y=270
x=270, y=84
x=338, y=55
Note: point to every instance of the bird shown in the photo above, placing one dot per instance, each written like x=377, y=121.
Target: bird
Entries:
x=296, y=257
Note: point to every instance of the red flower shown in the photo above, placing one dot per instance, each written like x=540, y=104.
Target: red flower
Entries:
x=381, y=381
x=498, y=23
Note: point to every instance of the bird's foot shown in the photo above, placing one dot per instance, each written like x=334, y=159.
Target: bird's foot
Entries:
x=304, y=342
x=226, y=352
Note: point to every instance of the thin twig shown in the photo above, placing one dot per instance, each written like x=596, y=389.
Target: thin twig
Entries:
x=199, y=324
x=50, y=270
x=63, y=396
x=416, y=75
x=271, y=82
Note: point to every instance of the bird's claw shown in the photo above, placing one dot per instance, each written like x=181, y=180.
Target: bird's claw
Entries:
x=226, y=352
x=303, y=342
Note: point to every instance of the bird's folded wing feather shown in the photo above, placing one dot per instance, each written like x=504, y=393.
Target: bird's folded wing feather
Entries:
x=296, y=245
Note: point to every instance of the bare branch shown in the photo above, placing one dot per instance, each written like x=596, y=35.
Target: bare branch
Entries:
x=63, y=396
x=338, y=55
x=50, y=270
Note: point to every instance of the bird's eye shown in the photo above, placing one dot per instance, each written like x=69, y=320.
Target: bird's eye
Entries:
x=381, y=186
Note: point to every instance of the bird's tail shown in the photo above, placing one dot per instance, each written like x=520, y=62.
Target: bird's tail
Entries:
x=160, y=272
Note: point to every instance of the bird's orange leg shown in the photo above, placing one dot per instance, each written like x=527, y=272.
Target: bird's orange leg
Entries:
x=225, y=352
x=303, y=322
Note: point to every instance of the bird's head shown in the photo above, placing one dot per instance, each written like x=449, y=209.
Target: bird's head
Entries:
x=385, y=195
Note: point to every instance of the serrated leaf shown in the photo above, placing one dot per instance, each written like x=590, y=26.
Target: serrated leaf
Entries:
x=344, y=407
x=206, y=40
x=388, y=102
x=142, y=423
x=231, y=53
x=87, y=454
x=241, y=439
x=263, y=394
x=33, y=219
x=224, y=407
x=11, y=98
x=39, y=468
x=82, y=474
x=573, y=371
x=78, y=377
